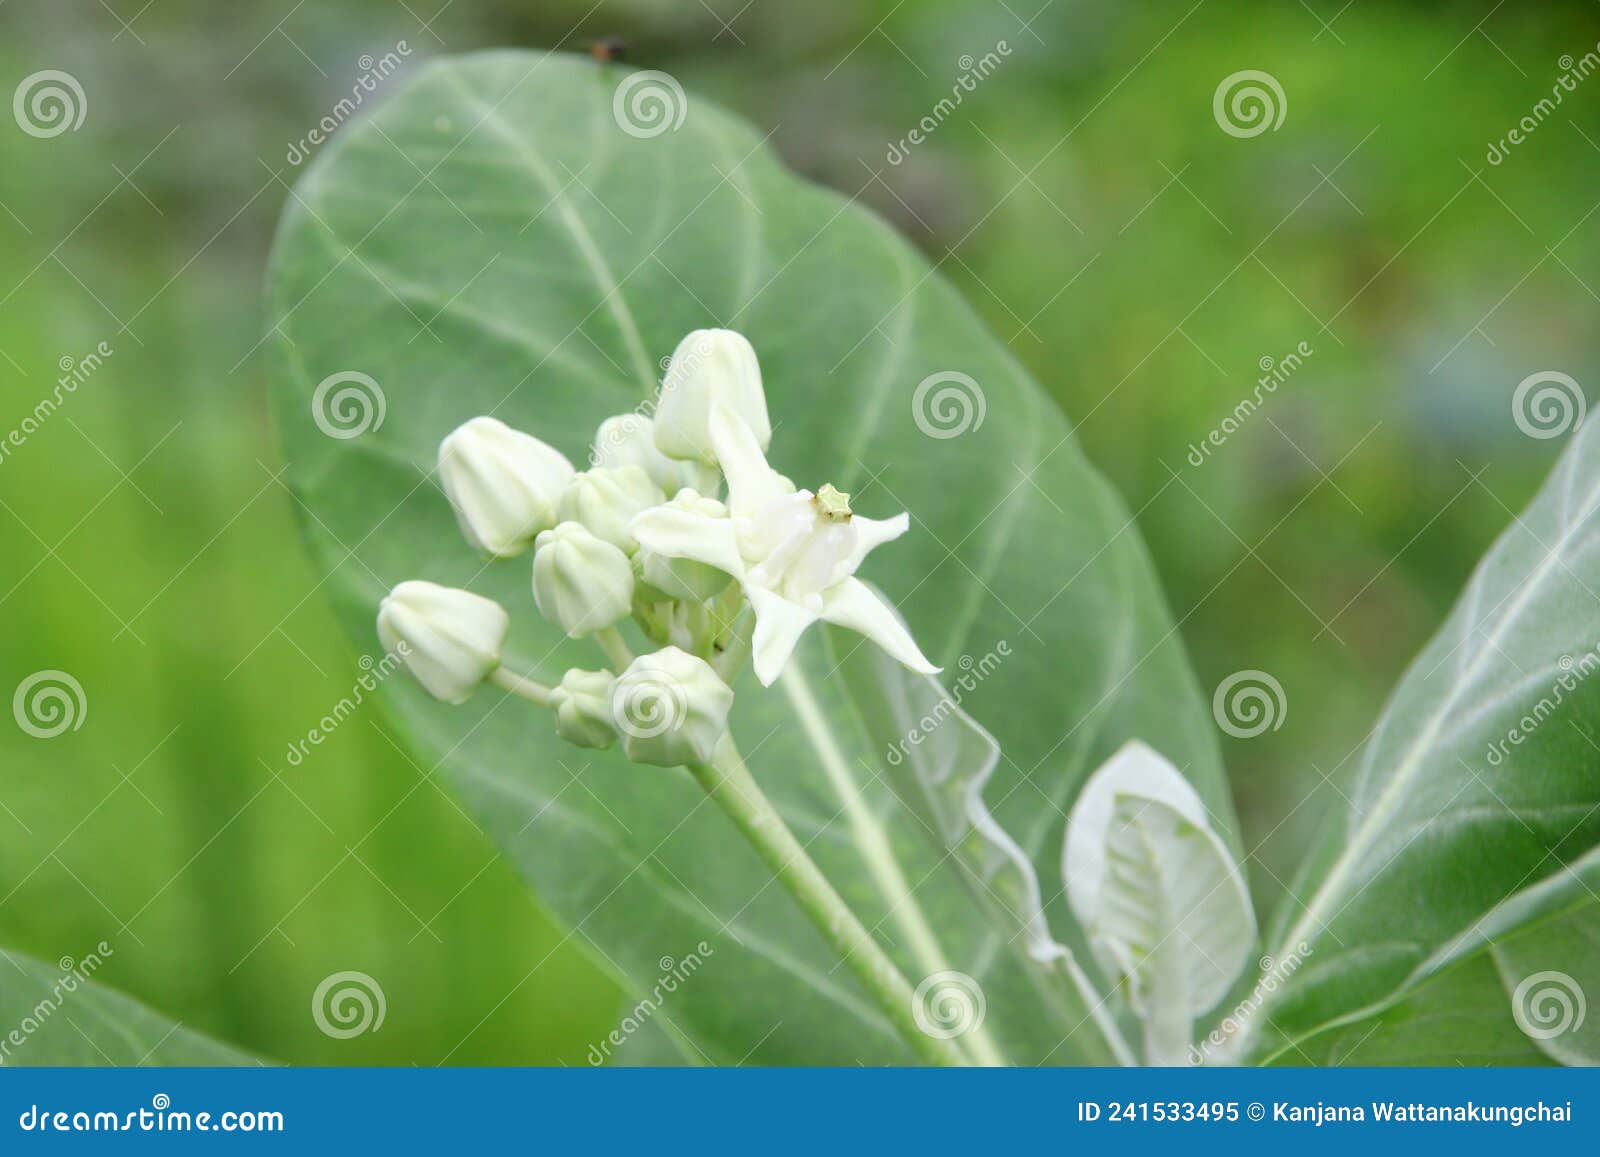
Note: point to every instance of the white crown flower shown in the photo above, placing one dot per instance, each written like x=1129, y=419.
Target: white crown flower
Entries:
x=795, y=553
x=708, y=576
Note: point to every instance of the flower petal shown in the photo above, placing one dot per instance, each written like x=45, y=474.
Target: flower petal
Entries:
x=869, y=533
x=678, y=533
x=779, y=625
x=752, y=484
x=854, y=605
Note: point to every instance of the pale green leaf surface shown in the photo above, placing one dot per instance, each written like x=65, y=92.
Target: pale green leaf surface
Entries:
x=1477, y=807
x=51, y=1016
x=490, y=241
x=1552, y=977
x=1460, y=1017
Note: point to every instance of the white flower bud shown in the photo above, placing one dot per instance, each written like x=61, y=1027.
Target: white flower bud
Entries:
x=710, y=366
x=606, y=499
x=503, y=484
x=580, y=583
x=629, y=440
x=449, y=639
x=670, y=708
x=582, y=703
x=683, y=578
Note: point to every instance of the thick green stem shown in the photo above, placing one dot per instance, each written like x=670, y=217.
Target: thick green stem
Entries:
x=731, y=786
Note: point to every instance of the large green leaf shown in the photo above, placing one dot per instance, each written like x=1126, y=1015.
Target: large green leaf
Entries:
x=58, y=1015
x=491, y=240
x=1551, y=973
x=1477, y=808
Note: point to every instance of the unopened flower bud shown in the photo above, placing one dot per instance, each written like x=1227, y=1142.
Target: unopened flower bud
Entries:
x=581, y=583
x=683, y=578
x=502, y=483
x=606, y=499
x=582, y=703
x=709, y=367
x=449, y=639
x=629, y=440
x=670, y=708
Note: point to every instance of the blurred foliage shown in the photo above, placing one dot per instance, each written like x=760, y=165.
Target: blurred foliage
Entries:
x=1139, y=260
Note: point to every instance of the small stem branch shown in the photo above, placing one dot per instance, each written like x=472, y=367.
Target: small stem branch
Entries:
x=611, y=642
x=530, y=689
x=730, y=785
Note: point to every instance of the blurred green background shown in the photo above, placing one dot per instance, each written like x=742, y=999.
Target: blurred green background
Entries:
x=1138, y=259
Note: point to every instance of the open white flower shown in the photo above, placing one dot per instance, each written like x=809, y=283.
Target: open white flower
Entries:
x=794, y=552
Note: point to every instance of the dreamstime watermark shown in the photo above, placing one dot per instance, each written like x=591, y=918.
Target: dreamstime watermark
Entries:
x=73, y=974
x=347, y=404
x=973, y=672
x=1273, y=974
x=49, y=103
x=648, y=703
x=1248, y=703
x=1548, y=1004
x=372, y=674
x=348, y=1004
x=74, y=372
x=1548, y=404
x=48, y=703
x=948, y=1004
x=1573, y=672
x=648, y=103
x=948, y=404
x=1573, y=73
x=1274, y=372
x=973, y=73
x=673, y=974
x=1248, y=103
x=373, y=72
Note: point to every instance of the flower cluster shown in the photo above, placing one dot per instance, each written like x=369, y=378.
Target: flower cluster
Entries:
x=681, y=525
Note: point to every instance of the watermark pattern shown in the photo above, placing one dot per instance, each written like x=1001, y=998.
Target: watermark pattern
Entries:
x=1548, y=404
x=48, y=703
x=973, y=73
x=648, y=103
x=973, y=672
x=348, y=404
x=1548, y=1004
x=373, y=72
x=73, y=973
x=160, y=1117
x=1248, y=703
x=1573, y=73
x=372, y=674
x=1273, y=974
x=348, y=1004
x=1248, y=103
x=49, y=103
x=673, y=974
x=1274, y=372
x=74, y=372
x=948, y=1004
x=1573, y=672
x=948, y=404
x=648, y=703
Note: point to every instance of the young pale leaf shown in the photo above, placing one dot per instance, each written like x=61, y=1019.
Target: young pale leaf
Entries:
x=540, y=272
x=1158, y=893
x=57, y=1016
x=1476, y=812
